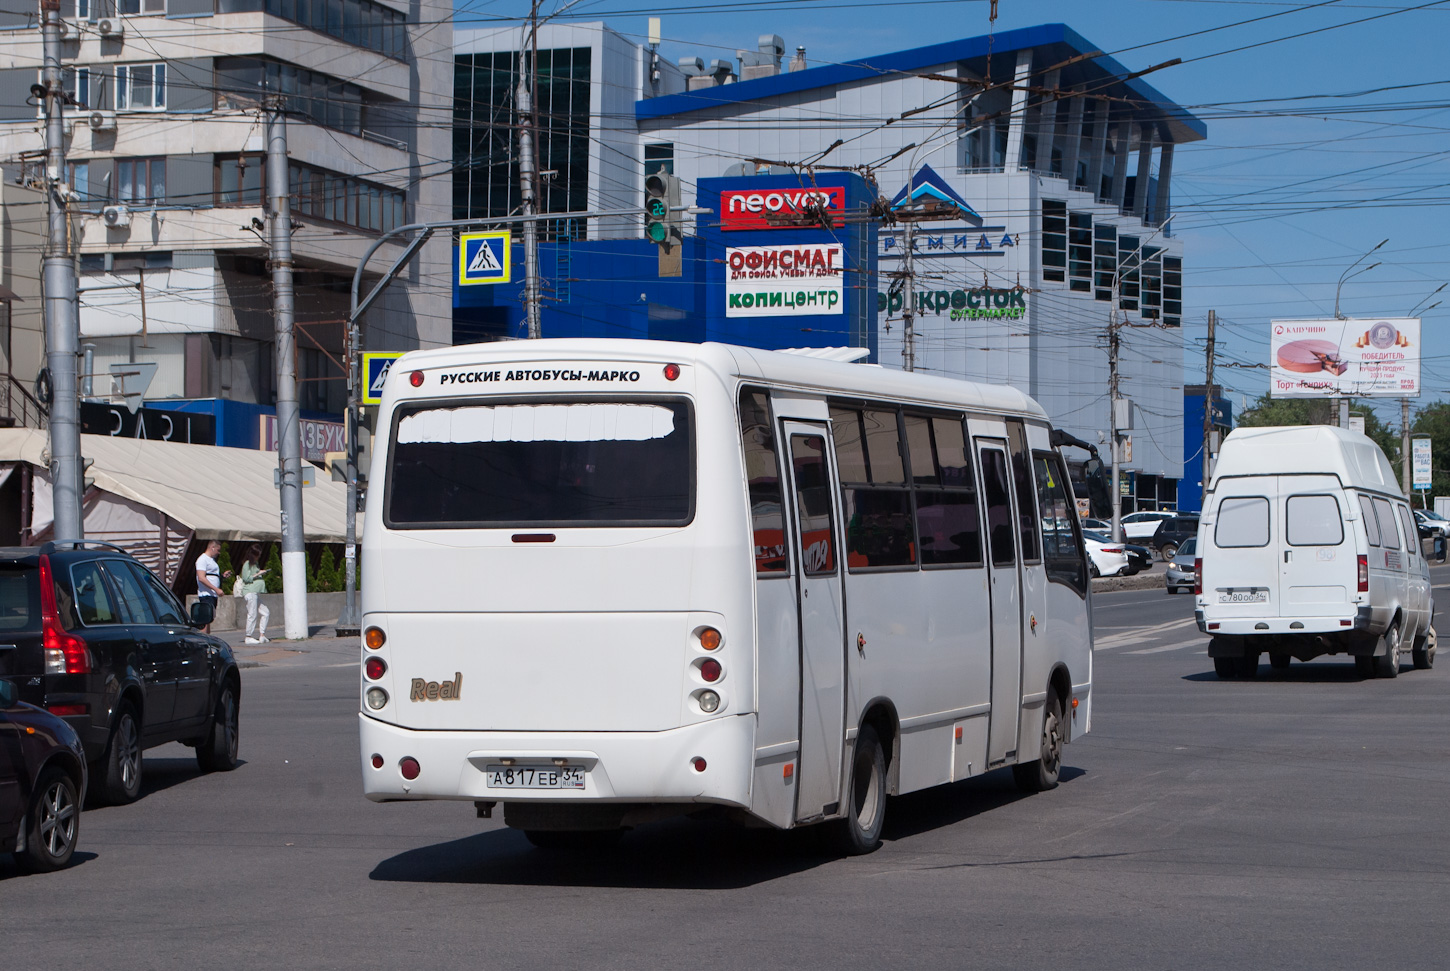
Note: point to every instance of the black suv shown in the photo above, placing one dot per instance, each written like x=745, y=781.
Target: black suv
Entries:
x=88, y=634
x=1171, y=533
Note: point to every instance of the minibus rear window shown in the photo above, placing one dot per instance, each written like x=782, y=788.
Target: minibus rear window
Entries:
x=554, y=464
x=1313, y=521
x=1242, y=522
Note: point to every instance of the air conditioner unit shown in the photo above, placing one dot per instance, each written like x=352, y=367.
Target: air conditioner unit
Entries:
x=69, y=30
x=110, y=27
x=116, y=217
x=102, y=120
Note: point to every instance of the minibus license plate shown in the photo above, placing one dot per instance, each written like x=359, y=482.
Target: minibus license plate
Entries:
x=533, y=777
x=1244, y=597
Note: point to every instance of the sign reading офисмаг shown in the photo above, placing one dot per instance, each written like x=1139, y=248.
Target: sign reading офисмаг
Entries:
x=1361, y=358
x=784, y=281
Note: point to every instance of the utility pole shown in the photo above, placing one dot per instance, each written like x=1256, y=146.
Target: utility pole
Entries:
x=908, y=314
x=1114, y=340
x=62, y=319
x=1208, y=406
x=1405, y=446
x=289, y=433
x=528, y=60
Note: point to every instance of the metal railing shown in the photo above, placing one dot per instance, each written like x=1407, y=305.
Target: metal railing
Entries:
x=18, y=406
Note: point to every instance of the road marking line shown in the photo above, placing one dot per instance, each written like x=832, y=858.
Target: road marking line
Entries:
x=1168, y=647
x=1142, y=635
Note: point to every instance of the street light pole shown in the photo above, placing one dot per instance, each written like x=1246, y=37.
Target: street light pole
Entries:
x=62, y=324
x=1347, y=275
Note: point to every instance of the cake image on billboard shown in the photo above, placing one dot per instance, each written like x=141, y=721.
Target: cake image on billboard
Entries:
x=1312, y=357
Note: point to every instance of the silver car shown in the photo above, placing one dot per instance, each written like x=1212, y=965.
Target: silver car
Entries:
x=1179, y=575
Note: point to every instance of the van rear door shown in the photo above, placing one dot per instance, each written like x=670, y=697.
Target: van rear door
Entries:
x=1318, y=572
x=1240, y=560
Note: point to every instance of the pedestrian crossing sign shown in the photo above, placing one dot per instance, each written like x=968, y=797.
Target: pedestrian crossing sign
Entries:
x=483, y=258
x=376, y=365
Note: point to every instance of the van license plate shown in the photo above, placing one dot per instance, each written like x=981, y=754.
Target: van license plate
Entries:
x=533, y=777
x=1244, y=597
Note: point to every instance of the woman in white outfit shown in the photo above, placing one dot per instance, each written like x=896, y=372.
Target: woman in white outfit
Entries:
x=253, y=586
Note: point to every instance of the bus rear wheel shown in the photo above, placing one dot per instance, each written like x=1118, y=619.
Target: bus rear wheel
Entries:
x=860, y=831
x=1041, y=774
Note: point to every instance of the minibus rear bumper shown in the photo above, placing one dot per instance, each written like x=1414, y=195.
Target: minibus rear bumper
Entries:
x=635, y=767
x=1360, y=621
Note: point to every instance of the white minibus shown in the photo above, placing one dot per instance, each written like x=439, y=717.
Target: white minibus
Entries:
x=611, y=580
x=1307, y=547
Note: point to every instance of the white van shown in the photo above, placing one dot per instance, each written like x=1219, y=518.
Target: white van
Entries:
x=1307, y=547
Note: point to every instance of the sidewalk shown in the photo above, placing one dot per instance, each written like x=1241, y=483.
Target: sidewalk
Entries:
x=278, y=648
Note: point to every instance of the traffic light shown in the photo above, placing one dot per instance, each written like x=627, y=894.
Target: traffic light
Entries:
x=661, y=221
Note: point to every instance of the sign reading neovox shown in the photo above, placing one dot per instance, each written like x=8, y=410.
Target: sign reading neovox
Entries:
x=783, y=281
x=963, y=304
x=483, y=258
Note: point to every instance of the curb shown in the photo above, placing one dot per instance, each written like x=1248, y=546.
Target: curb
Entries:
x=1143, y=581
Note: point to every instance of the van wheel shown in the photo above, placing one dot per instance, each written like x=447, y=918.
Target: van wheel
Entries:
x=1279, y=662
x=1226, y=667
x=1364, y=665
x=1387, y=665
x=1042, y=774
x=1423, y=653
x=1168, y=551
x=860, y=831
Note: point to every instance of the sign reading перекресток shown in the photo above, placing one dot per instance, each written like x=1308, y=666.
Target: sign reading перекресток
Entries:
x=784, y=281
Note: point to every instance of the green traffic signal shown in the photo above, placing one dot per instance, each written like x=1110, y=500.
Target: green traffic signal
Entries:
x=657, y=231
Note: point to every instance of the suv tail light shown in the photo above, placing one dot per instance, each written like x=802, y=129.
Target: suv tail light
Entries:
x=1197, y=576
x=1363, y=573
x=65, y=653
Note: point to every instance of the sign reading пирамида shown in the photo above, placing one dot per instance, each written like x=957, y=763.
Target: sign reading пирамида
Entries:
x=783, y=281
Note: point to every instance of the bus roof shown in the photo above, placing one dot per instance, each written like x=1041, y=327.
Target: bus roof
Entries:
x=1315, y=449
x=773, y=368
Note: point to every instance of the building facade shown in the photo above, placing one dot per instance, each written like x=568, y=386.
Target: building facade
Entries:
x=165, y=152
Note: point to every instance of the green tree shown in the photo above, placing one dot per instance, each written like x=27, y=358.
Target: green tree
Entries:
x=1319, y=411
x=273, y=566
x=1434, y=421
x=327, y=571
x=224, y=564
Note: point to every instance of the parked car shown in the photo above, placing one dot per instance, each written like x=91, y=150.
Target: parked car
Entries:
x=1140, y=558
x=1172, y=533
x=1098, y=526
x=1180, y=574
x=1431, y=523
x=94, y=638
x=1140, y=526
x=1105, y=558
x=42, y=784
x=1308, y=549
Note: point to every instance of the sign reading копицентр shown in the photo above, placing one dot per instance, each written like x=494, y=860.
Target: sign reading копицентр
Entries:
x=1363, y=358
x=784, y=281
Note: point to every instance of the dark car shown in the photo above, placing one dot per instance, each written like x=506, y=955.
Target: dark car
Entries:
x=90, y=635
x=1140, y=558
x=42, y=783
x=1171, y=533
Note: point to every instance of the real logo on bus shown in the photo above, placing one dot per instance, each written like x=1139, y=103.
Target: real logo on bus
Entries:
x=421, y=690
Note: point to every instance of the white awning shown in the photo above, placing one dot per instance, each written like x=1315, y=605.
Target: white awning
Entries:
x=219, y=493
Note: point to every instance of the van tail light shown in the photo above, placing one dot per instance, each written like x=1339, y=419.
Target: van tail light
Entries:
x=1197, y=576
x=65, y=653
x=1363, y=561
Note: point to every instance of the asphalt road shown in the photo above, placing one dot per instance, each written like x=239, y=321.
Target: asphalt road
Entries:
x=1290, y=822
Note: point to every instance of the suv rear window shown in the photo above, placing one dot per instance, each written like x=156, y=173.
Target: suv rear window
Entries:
x=602, y=463
x=19, y=598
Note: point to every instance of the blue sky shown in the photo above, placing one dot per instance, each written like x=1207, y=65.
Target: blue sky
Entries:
x=1327, y=132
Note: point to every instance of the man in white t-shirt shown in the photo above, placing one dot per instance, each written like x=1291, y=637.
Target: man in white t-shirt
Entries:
x=209, y=577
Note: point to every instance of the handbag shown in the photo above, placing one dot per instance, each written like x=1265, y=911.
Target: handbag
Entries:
x=237, y=590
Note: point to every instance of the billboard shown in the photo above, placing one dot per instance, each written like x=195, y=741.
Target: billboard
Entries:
x=1420, y=463
x=1375, y=357
x=784, y=281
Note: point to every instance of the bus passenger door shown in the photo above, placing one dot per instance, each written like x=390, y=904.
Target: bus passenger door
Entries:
x=822, y=632
x=1006, y=600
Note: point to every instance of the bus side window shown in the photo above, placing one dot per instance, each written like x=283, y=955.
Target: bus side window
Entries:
x=762, y=475
x=999, y=506
x=946, y=499
x=1026, y=501
x=875, y=493
x=1060, y=550
x=813, y=504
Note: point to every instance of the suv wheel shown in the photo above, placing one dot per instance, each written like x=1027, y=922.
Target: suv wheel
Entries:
x=1168, y=551
x=219, y=751
x=120, y=768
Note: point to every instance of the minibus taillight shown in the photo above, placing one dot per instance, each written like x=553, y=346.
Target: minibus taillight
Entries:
x=416, y=379
x=375, y=668
x=1363, y=573
x=1197, y=576
x=672, y=372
